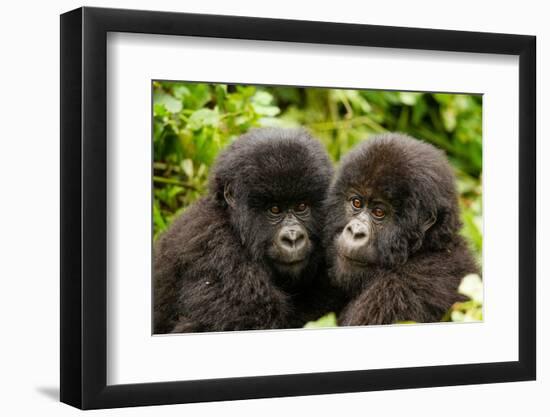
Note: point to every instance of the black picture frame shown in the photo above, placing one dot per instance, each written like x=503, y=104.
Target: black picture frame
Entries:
x=84, y=207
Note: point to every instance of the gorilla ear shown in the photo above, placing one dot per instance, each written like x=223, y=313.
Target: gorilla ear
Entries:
x=429, y=222
x=228, y=195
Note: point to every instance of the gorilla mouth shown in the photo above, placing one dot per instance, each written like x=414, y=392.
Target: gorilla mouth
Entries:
x=291, y=262
x=352, y=259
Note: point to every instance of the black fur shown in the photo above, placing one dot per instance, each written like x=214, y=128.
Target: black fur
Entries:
x=211, y=272
x=418, y=271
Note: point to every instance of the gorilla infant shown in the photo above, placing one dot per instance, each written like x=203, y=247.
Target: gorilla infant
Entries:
x=238, y=258
x=392, y=233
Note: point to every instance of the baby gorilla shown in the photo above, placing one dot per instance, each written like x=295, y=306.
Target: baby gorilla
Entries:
x=393, y=233
x=239, y=257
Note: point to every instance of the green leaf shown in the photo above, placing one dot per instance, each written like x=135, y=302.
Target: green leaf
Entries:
x=261, y=103
x=443, y=98
x=158, y=220
x=159, y=110
x=180, y=91
x=199, y=95
x=448, y=115
x=357, y=101
x=472, y=229
x=276, y=122
x=170, y=103
x=457, y=316
x=202, y=171
x=328, y=320
x=187, y=166
x=409, y=99
x=221, y=94
x=269, y=111
x=262, y=98
x=203, y=117
x=419, y=111
x=246, y=90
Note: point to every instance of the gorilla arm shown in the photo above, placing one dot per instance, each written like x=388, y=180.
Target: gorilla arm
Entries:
x=242, y=298
x=422, y=292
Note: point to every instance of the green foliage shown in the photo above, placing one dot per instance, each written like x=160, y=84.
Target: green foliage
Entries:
x=328, y=320
x=472, y=309
x=191, y=124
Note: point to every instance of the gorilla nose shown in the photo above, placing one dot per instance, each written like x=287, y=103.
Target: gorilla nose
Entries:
x=356, y=232
x=292, y=239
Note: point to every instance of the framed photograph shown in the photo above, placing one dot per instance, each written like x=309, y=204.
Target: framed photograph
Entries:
x=258, y=208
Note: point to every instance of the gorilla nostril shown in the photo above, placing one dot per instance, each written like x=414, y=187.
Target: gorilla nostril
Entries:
x=287, y=241
x=348, y=231
x=292, y=239
x=356, y=231
x=300, y=241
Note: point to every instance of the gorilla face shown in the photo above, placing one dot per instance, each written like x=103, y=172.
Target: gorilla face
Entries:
x=392, y=197
x=281, y=231
x=371, y=235
x=290, y=246
x=273, y=183
x=356, y=244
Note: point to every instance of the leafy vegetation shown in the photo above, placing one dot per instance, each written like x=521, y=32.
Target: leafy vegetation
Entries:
x=328, y=320
x=192, y=122
x=471, y=309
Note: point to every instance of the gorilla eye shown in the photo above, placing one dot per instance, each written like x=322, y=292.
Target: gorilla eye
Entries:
x=300, y=207
x=275, y=210
x=378, y=213
x=356, y=202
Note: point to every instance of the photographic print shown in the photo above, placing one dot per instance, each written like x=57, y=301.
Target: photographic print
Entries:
x=215, y=216
x=279, y=207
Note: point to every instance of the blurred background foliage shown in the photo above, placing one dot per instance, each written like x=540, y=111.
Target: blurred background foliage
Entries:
x=192, y=122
